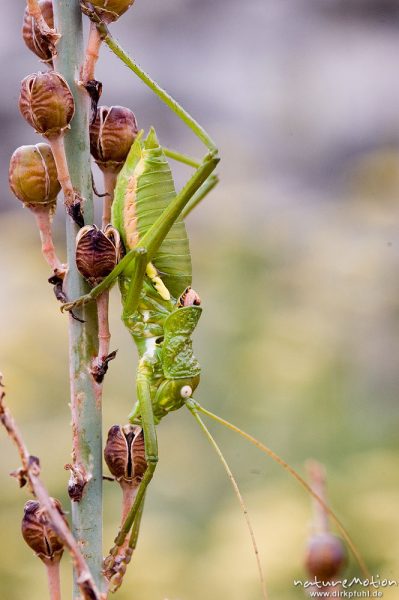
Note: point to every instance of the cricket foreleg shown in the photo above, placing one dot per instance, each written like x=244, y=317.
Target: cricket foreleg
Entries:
x=151, y=455
x=120, y=564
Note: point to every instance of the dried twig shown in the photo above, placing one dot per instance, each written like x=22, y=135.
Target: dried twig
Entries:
x=30, y=473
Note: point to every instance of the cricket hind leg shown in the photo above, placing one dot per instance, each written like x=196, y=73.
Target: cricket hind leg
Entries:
x=174, y=106
x=154, y=237
x=205, y=188
x=351, y=545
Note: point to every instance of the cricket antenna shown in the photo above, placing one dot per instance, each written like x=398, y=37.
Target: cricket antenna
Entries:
x=296, y=476
x=193, y=408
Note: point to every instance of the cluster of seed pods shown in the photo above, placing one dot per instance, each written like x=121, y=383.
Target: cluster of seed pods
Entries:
x=37, y=174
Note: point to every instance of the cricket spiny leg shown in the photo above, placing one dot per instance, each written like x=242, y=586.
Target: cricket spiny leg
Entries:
x=200, y=194
x=120, y=564
x=151, y=455
x=154, y=237
x=103, y=30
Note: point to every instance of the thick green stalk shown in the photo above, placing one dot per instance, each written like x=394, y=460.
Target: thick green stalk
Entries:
x=85, y=394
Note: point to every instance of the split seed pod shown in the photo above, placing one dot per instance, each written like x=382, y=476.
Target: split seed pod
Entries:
x=46, y=102
x=124, y=453
x=33, y=176
x=39, y=534
x=111, y=10
x=97, y=252
x=325, y=557
x=33, y=38
x=111, y=135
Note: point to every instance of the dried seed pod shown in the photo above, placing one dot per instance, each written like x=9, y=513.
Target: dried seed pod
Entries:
x=111, y=10
x=124, y=453
x=97, y=252
x=33, y=38
x=33, y=175
x=46, y=102
x=325, y=556
x=111, y=135
x=38, y=532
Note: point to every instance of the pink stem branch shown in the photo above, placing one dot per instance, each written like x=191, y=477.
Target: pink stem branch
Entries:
x=43, y=217
x=58, y=148
x=53, y=577
x=92, y=52
x=104, y=335
x=109, y=185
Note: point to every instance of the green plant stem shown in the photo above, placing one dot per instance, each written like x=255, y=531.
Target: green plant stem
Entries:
x=85, y=393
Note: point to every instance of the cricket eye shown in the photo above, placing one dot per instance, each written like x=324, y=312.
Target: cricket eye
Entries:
x=46, y=102
x=325, y=556
x=111, y=135
x=33, y=38
x=33, y=176
x=124, y=453
x=186, y=391
x=38, y=532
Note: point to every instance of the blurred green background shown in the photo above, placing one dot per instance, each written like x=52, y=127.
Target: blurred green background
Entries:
x=295, y=256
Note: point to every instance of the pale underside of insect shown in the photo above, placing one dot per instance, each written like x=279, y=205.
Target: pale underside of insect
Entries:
x=159, y=309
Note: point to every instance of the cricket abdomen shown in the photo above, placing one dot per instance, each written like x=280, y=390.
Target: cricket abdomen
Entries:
x=145, y=188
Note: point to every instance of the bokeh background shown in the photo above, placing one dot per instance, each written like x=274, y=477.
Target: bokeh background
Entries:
x=296, y=257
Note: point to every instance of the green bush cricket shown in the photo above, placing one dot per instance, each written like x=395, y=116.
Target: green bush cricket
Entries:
x=159, y=308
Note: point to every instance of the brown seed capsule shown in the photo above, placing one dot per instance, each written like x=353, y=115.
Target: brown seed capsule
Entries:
x=46, y=102
x=36, y=42
x=97, y=252
x=111, y=135
x=124, y=453
x=38, y=532
x=111, y=10
x=33, y=175
x=325, y=556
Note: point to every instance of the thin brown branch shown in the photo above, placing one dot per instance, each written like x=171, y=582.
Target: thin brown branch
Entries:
x=30, y=473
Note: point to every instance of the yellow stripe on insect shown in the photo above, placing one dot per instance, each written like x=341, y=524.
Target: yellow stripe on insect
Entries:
x=159, y=285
